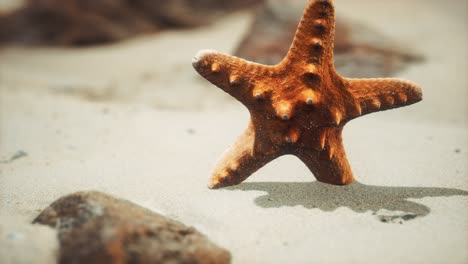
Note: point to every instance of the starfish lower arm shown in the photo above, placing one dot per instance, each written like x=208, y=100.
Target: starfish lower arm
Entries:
x=246, y=156
x=330, y=165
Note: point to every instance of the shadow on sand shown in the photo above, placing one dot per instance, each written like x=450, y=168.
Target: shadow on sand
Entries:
x=389, y=204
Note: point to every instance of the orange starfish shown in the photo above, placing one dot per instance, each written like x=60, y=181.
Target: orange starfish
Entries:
x=299, y=106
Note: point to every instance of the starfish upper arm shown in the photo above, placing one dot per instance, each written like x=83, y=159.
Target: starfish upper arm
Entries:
x=233, y=75
x=315, y=35
x=385, y=93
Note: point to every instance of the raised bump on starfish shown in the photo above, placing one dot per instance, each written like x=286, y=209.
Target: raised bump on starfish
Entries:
x=299, y=106
x=215, y=67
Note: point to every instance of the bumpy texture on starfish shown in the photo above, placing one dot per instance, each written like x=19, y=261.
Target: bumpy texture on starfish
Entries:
x=299, y=106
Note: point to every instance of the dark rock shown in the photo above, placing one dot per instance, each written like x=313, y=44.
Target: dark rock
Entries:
x=360, y=51
x=96, y=228
x=396, y=217
x=79, y=22
x=18, y=155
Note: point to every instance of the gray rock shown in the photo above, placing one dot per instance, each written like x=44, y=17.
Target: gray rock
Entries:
x=22, y=242
x=96, y=228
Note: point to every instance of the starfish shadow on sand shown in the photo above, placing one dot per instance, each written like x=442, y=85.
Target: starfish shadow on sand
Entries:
x=389, y=204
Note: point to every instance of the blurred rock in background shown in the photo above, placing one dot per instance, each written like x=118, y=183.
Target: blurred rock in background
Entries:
x=360, y=51
x=86, y=22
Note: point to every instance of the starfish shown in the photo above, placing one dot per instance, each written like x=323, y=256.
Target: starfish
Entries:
x=299, y=106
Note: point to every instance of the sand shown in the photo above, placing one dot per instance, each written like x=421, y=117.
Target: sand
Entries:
x=134, y=120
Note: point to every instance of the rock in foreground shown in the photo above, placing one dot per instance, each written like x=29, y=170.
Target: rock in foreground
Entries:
x=96, y=228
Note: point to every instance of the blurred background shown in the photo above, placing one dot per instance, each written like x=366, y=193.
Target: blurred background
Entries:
x=139, y=51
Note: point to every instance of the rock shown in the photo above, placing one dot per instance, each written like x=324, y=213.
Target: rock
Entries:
x=77, y=22
x=22, y=242
x=96, y=228
x=360, y=51
x=386, y=216
x=18, y=155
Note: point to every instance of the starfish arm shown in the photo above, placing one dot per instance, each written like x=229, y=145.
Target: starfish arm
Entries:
x=233, y=75
x=374, y=95
x=314, y=37
x=240, y=161
x=330, y=165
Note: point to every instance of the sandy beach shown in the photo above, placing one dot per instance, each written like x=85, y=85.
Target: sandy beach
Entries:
x=134, y=120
